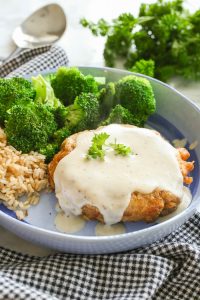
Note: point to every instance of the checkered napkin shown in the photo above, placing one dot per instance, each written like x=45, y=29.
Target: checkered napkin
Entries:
x=34, y=60
x=167, y=270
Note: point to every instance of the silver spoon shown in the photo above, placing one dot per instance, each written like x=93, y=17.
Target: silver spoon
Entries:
x=44, y=27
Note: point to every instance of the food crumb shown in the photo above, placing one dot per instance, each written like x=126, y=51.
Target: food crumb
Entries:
x=179, y=143
x=193, y=145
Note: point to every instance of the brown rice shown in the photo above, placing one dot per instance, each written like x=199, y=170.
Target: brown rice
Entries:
x=20, y=174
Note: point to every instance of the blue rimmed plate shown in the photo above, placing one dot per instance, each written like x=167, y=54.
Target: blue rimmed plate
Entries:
x=176, y=118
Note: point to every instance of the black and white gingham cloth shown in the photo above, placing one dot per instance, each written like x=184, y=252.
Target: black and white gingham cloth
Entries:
x=167, y=270
x=34, y=60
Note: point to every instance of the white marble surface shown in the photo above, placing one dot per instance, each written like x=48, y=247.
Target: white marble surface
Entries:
x=82, y=49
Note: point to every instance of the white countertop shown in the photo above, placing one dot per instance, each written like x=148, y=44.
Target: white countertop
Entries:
x=82, y=49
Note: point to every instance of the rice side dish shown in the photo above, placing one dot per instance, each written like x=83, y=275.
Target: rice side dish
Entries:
x=20, y=174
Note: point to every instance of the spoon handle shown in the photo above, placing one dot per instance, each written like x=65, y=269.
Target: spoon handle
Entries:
x=11, y=56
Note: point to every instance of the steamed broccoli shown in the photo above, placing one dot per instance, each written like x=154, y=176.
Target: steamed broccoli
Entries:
x=44, y=92
x=60, y=135
x=107, y=98
x=53, y=147
x=49, y=151
x=55, y=141
x=82, y=114
x=14, y=91
x=136, y=94
x=121, y=115
x=70, y=82
x=29, y=127
x=60, y=115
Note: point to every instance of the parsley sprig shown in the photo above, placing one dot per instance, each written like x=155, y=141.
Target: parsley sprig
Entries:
x=96, y=149
x=99, y=146
x=120, y=149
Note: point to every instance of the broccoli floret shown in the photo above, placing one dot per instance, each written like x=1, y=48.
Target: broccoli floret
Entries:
x=81, y=115
x=56, y=140
x=50, y=76
x=84, y=113
x=107, y=99
x=53, y=147
x=136, y=94
x=14, y=91
x=44, y=92
x=68, y=83
x=60, y=135
x=49, y=151
x=121, y=115
x=143, y=66
x=29, y=127
x=60, y=115
x=24, y=86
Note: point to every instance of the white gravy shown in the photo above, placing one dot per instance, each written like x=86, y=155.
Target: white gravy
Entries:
x=108, y=184
x=103, y=229
x=68, y=223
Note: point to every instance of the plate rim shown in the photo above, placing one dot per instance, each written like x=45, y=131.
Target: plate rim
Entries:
x=157, y=226
x=29, y=227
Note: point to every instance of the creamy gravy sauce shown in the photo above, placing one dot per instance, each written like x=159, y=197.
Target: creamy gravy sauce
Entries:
x=108, y=184
x=104, y=230
x=68, y=223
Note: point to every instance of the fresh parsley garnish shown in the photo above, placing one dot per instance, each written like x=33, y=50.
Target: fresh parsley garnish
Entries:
x=98, y=147
x=120, y=149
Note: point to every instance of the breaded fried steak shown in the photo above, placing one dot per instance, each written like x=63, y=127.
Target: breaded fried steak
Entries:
x=146, y=203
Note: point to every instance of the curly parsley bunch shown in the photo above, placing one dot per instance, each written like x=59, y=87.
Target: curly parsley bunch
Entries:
x=163, y=41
